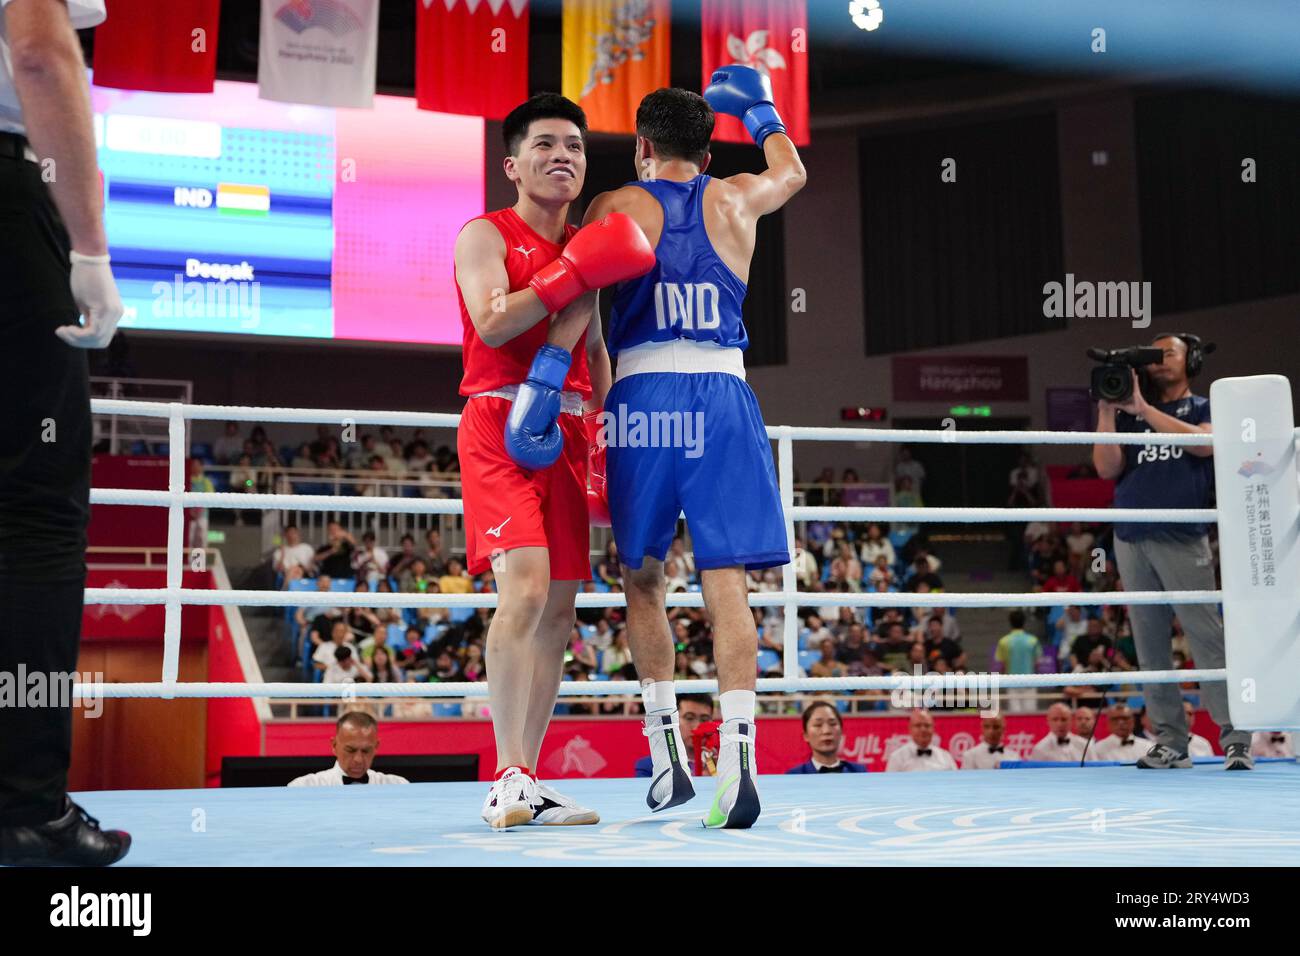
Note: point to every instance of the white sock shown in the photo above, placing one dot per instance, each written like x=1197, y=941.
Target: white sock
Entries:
x=738, y=705
x=659, y=696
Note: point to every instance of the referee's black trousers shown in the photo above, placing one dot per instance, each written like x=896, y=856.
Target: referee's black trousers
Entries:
x=45, y=438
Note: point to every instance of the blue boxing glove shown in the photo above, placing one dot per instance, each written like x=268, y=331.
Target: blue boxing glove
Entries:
x=533, y=436
x=743, y=92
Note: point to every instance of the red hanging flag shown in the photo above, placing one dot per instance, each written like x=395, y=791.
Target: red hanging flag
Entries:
x=471, y=56
x=772, y=37
x=164, y=47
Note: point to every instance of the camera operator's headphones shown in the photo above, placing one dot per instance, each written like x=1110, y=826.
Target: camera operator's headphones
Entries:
x=1196, y=350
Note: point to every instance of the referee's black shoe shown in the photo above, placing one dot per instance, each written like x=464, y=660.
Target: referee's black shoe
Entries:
x=1161, y=757
x=1237, y=757
x=72, y=839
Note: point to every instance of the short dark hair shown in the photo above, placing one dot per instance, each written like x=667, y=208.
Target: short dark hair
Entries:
x=704, y=700
x=1017, y=619
x=542, y=106
x=677, y=122
x=811, y=708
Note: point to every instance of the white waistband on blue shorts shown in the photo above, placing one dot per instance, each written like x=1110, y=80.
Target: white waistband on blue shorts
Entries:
x=570, y=402
x=680, y=355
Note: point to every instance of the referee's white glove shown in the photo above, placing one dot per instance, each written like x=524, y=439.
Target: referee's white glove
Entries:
x=96, y=295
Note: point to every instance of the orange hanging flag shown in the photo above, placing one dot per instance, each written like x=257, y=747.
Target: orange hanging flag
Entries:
x=615, y=52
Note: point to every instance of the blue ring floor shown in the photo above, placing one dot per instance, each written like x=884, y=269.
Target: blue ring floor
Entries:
x=1105, y=816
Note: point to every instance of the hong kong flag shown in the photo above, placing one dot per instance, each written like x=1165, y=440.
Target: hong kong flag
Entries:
x=471, y=56
x=165, y=47
x=772, y=37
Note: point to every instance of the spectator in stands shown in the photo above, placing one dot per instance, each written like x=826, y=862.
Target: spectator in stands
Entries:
x=363, y=620
x=1026, y=484
x=852, y=645
x=346, y=669
x=394, y=457
x=1106, y=579
x=325, y=654
x=937, y=644
x=383, y=669
x=376, y=488
x=322, y=622
x=1079, y=544
x=416, y=579
x=243, y=480
x=1271, y=743
x=805, y=565
x=1060, y=745
x=921, y=574
x=359, y=454
x=403, y=561
x=264, y=453
x=917, y=662
x=1120, y=745
x=905, y=496
x=1093, y=637
x=420, y=459
x=1197, y=746
x=334, y=557
x=455, y=581
x=618, y=655
x=921, y=752
x=434, y=558
x=674, y=576
x=369, y=562
x=227, y=449
x=1061, y=580
x=895, y=647
x=989, y=753
x=692, y=711
x=607, y=568
x=294, y=559
x=846, y=617
x=828, y=665
x=1070, y=626
x=677, y=550
x=355, y=743
x=907, y=467
x=446, y=669
x=875, y=546
x=197, y=532
x=823, y=731
x=1090, y=695
x=303, y=460
x=881, y=573
x=850, y=567
x=474, y=667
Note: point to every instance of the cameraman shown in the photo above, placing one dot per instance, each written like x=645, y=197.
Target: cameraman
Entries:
x=1169, y=557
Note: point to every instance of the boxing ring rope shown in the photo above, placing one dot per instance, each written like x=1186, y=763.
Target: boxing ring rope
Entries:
x=176, y=499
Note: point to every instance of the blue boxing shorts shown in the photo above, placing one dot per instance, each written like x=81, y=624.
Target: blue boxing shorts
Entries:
x=692, y=442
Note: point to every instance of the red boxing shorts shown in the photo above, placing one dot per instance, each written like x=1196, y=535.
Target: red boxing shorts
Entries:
x=507, y=507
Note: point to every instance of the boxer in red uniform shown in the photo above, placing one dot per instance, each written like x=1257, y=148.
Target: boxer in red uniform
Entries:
x=522, y=443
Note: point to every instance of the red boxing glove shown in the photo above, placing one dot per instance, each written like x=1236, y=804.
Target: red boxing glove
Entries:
x=601, y=253
x=597, y=491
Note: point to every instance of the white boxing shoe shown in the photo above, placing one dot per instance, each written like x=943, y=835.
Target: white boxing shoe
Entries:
x=554, y=809
x=511, y=800
x=735, y=804
x=670, y=783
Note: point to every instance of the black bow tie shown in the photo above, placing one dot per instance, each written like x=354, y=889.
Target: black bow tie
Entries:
x=349, y=780
x=923, y=752
x=995, y=750
x=1277, y=738
x=825, y=769
x=1063, y=741
x=1126, y=743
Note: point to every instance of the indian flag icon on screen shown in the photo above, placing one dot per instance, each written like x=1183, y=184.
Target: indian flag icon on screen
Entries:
x=240, y=199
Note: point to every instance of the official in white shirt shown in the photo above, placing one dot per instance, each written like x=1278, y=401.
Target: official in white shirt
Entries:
x=355, y=743
x=1121, y=745
x=295, y=558
x=989, y=753
x=1060, y=745
x=920, y=753
x=1266, y=743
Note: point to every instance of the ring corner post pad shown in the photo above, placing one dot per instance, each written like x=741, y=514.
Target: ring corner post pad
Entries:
x=1259, y=548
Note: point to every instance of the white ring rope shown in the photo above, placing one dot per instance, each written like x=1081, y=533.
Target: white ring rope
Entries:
x=971, y=683
x=372, y=599
x=176, y=499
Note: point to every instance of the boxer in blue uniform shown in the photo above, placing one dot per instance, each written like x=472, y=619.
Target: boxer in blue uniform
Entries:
x=683, y=429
